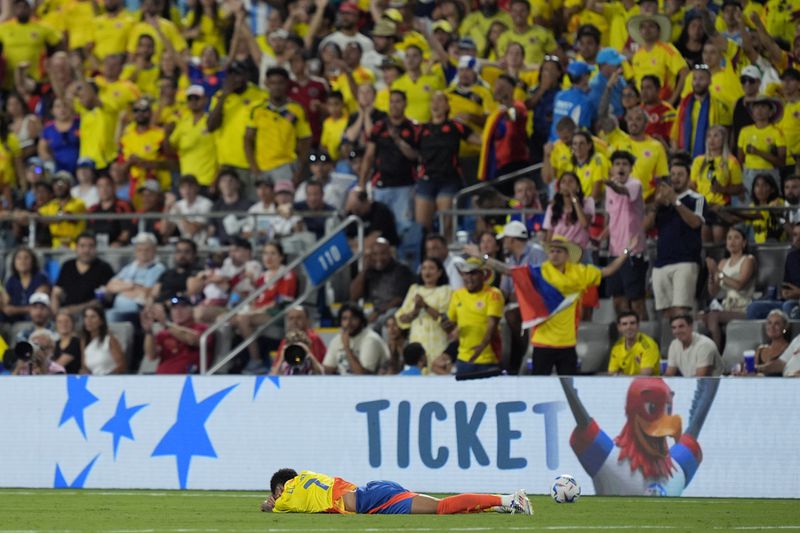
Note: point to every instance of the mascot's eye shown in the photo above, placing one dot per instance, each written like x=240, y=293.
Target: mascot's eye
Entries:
x=668, y=408
x=651, y=408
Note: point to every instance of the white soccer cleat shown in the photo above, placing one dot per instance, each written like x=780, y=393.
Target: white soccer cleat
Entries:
x=520, y=503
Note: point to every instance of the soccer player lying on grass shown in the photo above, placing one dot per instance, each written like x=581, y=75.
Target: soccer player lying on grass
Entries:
x=310, y=492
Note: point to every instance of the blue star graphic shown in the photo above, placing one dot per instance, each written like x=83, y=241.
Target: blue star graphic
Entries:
x=60, y=483
x=78, y=399
x=119, y=425
x=276, y=380
x=187, y=437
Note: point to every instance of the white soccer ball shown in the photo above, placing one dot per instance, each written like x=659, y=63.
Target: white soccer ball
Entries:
x=565, y=489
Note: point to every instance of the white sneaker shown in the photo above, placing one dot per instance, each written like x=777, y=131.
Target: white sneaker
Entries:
x=520, y=503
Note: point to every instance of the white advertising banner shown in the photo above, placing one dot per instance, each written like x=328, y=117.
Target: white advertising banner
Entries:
x=728, y=437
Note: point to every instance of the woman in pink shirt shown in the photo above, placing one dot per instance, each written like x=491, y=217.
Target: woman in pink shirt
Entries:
x=569, y=214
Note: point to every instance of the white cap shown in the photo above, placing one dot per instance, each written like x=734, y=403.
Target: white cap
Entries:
x=196, y=90
x=39, y=298
x=751, y=71
x=468, y=62
x=515, y=229
x=145, y=238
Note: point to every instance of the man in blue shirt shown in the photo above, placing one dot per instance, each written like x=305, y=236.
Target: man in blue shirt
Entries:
x=133, y=284
x=679, y=214
x=609, y=82
x=574, y=102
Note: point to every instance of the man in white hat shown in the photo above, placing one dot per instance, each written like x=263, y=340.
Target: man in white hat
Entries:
x=555, y=336
x=519, y=251
x=656, y=55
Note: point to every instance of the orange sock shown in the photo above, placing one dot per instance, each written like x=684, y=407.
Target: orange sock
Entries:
x=467, y=503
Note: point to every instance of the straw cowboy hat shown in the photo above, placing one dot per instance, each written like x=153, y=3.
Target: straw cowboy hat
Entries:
x=774, y=103
x=664, y=26
x=575, y=252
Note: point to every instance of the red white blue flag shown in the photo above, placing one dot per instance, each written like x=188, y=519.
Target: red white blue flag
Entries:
x=538, y=299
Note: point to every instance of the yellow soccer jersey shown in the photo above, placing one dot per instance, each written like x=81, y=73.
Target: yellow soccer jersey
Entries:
x=361, y=75
x=663, y=61
x=332, y=133
x=168, y=29
x=311, y=492
x=64, y=233
x=560, y=330
x=470, y=312
x=764, y=139
x=8, y=151
x=643, y=354
x=651, y=161
x=110, y=34
x=278, y=129
x=705, y=170
x=25, y=43
x=790, y=126
x=418, y=94
x=560, y=158
x=197, y=151
x=537, y=42
x=594, y=171
x=235, y=114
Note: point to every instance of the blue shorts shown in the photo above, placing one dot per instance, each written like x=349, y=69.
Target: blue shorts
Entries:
x=431, y=190
x=383, y=497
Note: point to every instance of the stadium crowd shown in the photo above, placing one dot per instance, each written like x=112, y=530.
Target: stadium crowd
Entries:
x=658, y=140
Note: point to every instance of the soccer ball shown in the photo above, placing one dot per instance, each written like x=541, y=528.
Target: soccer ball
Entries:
x=565, y=489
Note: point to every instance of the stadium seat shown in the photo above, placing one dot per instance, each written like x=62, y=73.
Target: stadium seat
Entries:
x=741, y=335
x=123, y=331
x=771, y=260
x=794, y=328
x=593, y=347
x=604, y=313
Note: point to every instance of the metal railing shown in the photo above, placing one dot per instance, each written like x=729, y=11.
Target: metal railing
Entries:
x=472, y=189
x=32, y=219
x=223, y=320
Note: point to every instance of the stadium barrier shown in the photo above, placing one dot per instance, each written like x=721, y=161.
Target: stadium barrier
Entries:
x=430, y=434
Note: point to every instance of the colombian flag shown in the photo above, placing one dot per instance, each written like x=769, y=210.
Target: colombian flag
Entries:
x=538, y=299
x=487, y=164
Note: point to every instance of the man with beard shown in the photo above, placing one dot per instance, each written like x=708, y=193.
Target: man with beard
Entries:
x=357, y=350
x=347, y=22
x=791, y=193
x=142, y=152
x=64, y=232
x=24, y=42
x=697, y=112
x=383, y=282
x=79, y=277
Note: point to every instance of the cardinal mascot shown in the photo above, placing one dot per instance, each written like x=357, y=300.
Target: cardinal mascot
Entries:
x=640, y=461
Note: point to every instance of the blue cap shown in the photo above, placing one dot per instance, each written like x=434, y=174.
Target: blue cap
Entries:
x=467, y=43
x=577, y=69
x=85, y=162
x=610, y=56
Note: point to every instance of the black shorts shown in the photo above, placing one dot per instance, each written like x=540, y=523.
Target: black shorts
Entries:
x=629, y=281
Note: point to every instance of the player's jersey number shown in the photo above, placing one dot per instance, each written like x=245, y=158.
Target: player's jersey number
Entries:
x=317, y=482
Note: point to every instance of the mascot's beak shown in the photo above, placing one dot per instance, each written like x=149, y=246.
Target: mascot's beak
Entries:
x=666, y=426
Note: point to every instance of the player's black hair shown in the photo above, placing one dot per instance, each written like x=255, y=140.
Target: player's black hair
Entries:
x=336, y=95
x=277, y=71
x=355, y=310
x=281, y=477
x=653, y=79
x=626, y=314
x=623, y=154
x=413, y=353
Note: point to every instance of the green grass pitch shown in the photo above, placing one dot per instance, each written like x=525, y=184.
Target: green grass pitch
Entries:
x=118, y=511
